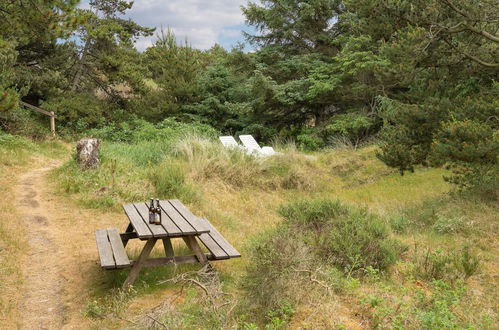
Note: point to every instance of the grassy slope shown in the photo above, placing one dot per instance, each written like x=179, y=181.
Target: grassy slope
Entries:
x=240, y=196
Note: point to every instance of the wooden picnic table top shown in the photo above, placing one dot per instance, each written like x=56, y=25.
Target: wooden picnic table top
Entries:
x=177, y=220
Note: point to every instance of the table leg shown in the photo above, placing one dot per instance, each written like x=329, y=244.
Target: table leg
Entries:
x=137, y=266
x=128, y=229
x=194, y=246
x=167, y=244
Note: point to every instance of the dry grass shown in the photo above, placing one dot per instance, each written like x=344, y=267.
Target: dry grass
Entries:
x=12, y=249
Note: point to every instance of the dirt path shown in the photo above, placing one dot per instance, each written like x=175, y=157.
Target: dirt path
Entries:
x=41, y=306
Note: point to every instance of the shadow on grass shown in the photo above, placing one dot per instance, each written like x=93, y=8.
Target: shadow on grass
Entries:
x=150, y=278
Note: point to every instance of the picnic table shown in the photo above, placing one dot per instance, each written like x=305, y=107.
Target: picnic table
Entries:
x=177, y=222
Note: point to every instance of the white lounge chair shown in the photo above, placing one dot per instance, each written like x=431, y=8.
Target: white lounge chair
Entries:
x=268, y=151
x=229, y=142
x=254, y=148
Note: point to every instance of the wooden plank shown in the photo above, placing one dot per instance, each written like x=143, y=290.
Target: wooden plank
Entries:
x=213, y=247
x=127, y=236
x=119, y=253
x=105, y=250
x=199, y=226
x=178, y=260
x=170, y=227
x=32, y=107
x=137, y=222
x=156, y=230
x=177, y=219
x=226, y=246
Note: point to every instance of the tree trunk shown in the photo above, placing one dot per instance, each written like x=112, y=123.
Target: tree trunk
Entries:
x=81, y=65
x=87, y=153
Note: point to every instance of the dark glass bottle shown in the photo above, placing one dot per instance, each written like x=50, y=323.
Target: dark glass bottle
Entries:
x=157, y=220
x=152, y=212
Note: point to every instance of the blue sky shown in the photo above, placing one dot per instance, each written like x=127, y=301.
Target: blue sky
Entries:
x=202, y=22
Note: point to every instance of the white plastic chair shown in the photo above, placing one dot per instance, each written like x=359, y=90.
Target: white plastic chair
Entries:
x=268, y=151
x=250, y=144
x=229, y=142
x=254, y=148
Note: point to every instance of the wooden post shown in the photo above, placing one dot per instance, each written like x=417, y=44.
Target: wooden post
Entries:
x=52, y=122
x=191, y=242
x=167, y=244
x=137, y=266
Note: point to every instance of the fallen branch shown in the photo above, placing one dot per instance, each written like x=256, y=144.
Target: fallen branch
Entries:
x=160, y=323
x=312, y=278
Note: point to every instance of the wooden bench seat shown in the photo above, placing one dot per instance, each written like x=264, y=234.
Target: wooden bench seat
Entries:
x=111, y=249
x=217, y=245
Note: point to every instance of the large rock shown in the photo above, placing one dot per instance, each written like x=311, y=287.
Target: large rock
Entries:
x=87, y=153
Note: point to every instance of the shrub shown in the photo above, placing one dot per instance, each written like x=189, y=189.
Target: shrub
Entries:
x=349, y=239
x=78, y=111
x=312, y=213
x=468, y=262
x=361, y=240
x=169, y=131
x=353, y=126
x=308, y=140
x=316, y=237
x=270, y=278
x=446, y=265
x=434, y=264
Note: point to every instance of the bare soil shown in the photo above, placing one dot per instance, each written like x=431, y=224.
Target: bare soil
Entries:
x=41, y=305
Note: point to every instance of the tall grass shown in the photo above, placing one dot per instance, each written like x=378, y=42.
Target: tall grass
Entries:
x=173, y=169
x=14, y=150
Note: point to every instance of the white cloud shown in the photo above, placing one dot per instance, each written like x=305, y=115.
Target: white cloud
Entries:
x=202, y=22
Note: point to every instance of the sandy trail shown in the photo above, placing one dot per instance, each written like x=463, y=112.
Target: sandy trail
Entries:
x=41, y=306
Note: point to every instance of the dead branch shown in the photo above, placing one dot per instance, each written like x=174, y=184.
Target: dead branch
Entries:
x=471, y=57
x=160, y=323
x=198, y=284
x=312, y=278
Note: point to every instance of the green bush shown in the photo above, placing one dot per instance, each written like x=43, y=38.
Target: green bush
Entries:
x=318, y=237
x=309, y=140
x=439, y=264
x=78, y=111
x=361, y=240
x=353, y=126
x=168, y=131
x=349, y=239
x=270, y=276
x=312, y=213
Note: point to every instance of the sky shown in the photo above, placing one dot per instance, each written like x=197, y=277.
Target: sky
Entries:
x=202, y=22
